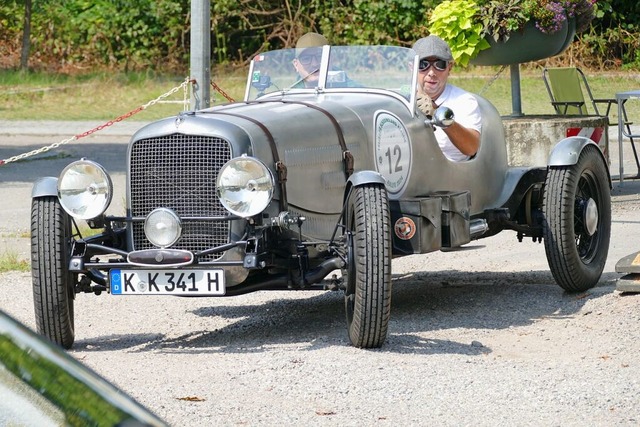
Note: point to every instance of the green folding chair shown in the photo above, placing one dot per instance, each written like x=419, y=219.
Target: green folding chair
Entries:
x=564, y=86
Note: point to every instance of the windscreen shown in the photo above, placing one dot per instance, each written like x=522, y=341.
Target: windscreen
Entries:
x=332, y=68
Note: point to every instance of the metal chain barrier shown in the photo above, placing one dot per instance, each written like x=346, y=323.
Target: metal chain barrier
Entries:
x=183, y=86
x=221, y=92
x=492, y=80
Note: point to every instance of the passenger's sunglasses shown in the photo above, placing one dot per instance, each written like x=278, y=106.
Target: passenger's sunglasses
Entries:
x=308, y=59
x=439, y=64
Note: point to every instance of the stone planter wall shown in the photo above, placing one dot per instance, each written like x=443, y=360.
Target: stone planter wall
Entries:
x=530, y=139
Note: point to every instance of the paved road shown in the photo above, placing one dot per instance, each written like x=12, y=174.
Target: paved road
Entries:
x=107, y=146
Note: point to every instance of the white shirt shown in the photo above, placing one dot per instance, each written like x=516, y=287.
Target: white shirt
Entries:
x=466, y=112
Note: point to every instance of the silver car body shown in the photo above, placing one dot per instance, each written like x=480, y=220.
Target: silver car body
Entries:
x=355, y=127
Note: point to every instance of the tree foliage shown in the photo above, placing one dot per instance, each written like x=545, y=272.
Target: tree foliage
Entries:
x=77, y=35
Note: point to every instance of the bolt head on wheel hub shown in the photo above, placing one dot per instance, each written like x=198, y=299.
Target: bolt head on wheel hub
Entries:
x=590, y=216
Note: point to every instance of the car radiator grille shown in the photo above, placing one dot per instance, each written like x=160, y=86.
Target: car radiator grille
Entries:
x=179, y=172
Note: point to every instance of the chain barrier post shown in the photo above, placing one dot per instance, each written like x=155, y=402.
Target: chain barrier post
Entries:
x=200, y=53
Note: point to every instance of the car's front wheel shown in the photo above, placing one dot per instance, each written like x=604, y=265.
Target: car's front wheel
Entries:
x=368, y=269
x=53, y=292
x=577, y=226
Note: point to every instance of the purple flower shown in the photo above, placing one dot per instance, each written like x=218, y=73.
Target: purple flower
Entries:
x=500, y=18
x=550, y=17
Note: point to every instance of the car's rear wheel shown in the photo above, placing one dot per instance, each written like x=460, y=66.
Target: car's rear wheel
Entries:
x=53, y=292
x=577, y=226
x=368, y=270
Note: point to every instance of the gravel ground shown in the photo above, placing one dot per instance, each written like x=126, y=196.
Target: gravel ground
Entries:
x=469, y=344
x=480, y=336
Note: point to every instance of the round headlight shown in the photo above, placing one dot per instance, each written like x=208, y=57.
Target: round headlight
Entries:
x=84, y=189
x=245, y=186
x=162, y=227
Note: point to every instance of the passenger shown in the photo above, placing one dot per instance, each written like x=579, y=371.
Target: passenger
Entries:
x=307, y=64
x=308, y=56
x=461, y=140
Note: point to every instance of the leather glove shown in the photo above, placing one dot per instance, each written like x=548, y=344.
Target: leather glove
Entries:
x=425, y=104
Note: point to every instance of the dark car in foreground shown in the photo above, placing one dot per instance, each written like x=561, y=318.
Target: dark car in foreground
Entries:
x=308, y=188
x=41, y=385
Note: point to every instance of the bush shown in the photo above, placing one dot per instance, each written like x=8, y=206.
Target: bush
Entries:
x=87, y=35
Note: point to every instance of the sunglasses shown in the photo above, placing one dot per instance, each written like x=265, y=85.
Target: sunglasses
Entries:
x=439, y=64
x=307, y=59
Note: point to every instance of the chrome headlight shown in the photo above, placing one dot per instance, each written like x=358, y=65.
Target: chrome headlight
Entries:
x=245, y=186
x=162, y=227
x=85, y=189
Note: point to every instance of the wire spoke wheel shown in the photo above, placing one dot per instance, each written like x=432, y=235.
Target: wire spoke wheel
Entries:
x=577, y=226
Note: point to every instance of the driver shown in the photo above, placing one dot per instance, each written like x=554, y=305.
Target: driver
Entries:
x=461, y=140
x=308, y=56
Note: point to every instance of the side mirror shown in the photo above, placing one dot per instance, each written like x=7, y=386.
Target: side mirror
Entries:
x=443, y=118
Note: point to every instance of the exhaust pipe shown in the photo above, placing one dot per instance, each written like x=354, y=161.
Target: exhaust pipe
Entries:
x=477, y=228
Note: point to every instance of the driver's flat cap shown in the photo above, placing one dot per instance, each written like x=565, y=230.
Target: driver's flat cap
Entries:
x=310, y=40
x=433, y=47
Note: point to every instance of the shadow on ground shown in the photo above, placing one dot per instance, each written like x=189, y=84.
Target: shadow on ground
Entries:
x=422, y=303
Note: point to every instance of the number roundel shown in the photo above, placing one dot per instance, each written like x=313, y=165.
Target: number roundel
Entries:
x=393, y=152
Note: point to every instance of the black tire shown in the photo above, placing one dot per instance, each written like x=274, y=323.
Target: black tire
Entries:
x=53, y=284
x=577, y=248
x=368, y=271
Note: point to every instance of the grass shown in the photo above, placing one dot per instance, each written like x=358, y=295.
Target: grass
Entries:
x=535, y=99
x=9, y=261
x=37, y=96
x=29, y=96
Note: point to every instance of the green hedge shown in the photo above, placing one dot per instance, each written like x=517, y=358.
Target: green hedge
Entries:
x=154, y=34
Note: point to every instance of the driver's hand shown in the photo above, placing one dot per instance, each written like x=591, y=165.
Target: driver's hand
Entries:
x=425, y=104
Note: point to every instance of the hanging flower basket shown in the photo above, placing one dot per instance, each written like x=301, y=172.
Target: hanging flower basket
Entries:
x=508, y=32
x=528, y=45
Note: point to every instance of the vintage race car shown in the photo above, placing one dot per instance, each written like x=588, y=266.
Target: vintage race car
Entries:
x=300, y=187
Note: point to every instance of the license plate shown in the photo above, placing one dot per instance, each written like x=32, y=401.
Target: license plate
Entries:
x=167, y=282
